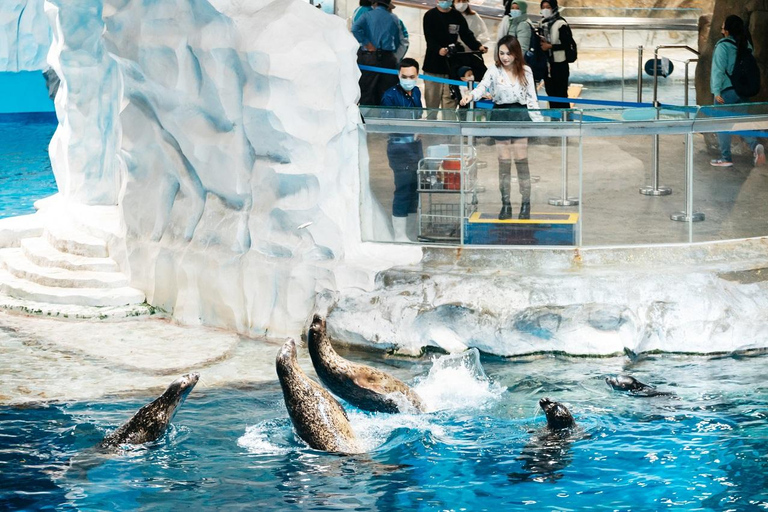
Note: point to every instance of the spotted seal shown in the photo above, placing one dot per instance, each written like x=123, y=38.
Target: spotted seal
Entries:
x=363, y=386
x=634, y=387
x=149, y=422
x=318, y=418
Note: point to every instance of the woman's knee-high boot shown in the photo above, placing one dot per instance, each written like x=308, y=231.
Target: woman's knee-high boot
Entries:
x=505, y=184
x=524, y=182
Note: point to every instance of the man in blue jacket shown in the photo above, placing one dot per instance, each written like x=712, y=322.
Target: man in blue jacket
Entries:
x=723, y=61
x=404, y=150
x=379, y=34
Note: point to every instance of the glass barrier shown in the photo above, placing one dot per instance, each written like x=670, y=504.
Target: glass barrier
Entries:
x=731, y=198
x=597, y=177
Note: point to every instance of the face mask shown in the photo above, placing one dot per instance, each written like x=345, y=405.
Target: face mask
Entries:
x=461, y=6
x=546, y=13
x=469, y=79
x=515, y=14
x=444, y=5
x=407, y=84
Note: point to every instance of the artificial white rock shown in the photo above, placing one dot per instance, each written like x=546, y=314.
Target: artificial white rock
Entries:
x=227, y=132
x=25, y=35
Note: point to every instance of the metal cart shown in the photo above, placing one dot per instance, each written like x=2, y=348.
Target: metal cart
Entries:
x=447, y=178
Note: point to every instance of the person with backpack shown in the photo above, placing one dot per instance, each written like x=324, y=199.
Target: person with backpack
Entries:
x=735, y=77
x=516, y=23
x=557, y=41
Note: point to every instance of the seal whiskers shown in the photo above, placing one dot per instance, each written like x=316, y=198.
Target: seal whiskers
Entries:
x=364, y=387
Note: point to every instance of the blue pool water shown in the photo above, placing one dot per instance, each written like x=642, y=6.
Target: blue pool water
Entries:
x=25, y=168
x=479, y=448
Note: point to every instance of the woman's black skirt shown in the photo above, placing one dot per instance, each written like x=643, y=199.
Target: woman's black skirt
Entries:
x=509, y=112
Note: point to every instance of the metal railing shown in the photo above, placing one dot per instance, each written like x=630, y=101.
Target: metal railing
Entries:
x=585, y=125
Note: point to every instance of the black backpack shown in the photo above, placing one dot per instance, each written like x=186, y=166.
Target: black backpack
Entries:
x=745, y=76
x=569, y=45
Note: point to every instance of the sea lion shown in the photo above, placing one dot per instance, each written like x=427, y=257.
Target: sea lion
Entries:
x=318, y=418
x=633, y=386
x=363, y=386
x=549, y=450
x=150, y=422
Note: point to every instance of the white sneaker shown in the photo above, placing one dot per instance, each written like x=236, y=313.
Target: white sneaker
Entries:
x=759, y=155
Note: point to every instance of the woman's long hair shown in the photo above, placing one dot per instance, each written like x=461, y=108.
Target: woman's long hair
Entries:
x=513, y=46
x=735, y=27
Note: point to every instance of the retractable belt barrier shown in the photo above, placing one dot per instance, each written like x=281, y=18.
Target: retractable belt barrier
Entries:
x=484, y=104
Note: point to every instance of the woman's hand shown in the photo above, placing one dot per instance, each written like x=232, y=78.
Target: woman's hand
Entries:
x=719, y=99
x=466, y=99
x=545, y=45
x=443, y=52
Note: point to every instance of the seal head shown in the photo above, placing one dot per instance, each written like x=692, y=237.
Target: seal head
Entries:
x=150, y=422
x=633, y=386
x=364, y=387
x=318, y=418
x=558, y=415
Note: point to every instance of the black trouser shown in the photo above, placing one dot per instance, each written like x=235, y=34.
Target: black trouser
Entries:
x=556, y=83
x=404, y=161
x=372, y=84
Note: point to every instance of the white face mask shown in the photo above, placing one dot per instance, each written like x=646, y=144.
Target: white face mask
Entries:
x=546, y=13
x=461, y=6
x=515, y=13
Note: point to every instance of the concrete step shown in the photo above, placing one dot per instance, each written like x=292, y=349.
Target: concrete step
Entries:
x=100, y=297
x=43, y=254
x=73, y=241
x=15, y=262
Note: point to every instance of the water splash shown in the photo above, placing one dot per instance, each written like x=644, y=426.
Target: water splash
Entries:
x=458, y=381
x=263, y=438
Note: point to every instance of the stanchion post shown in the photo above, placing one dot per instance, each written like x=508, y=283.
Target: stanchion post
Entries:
x=655, y=189
x=564, y=200
x=640, y=74
x=688, y=215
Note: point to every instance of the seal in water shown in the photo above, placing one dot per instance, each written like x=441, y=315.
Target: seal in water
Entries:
x=318, y=418
x=150, y=422
x=363, y=386
x=549, y=450
x=633, y=386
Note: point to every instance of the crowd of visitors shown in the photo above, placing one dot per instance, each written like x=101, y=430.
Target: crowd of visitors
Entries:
x=525, y=54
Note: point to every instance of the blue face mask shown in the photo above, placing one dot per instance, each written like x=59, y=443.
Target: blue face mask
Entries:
x=515, y=14
x=407, y=84
x=445, y=5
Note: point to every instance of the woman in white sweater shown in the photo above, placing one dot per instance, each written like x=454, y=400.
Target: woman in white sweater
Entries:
x=511, y=85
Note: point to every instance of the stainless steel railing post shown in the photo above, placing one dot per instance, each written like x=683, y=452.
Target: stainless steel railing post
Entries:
x=688, y=215
x=655, y=189
x=564, y=200
x=640, y=74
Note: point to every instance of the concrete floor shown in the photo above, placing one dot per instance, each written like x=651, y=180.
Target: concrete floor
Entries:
x=613, y=212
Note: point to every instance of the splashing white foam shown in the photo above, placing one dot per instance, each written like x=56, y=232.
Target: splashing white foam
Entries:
x=457, y=381
x=258, y=439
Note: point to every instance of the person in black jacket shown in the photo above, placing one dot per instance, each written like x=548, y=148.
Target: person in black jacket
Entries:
x=442, y=27
x=556, y=81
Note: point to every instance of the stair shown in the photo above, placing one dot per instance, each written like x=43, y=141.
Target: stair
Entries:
x=66, y=271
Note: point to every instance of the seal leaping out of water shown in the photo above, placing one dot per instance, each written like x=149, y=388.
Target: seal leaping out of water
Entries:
x=363, y=386
x=318, y=418
x=634, y=387
x=150, y=422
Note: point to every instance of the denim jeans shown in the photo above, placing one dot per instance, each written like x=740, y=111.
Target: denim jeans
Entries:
x=724, y=138
x=404, y=161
